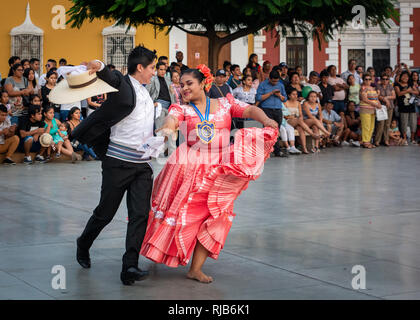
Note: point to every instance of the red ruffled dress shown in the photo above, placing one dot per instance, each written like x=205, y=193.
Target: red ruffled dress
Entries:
x=193, y=195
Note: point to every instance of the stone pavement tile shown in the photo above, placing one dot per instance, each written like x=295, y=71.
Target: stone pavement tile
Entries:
x=7, y=280
x=22, y=292
x=404, y=296
x=383, y=278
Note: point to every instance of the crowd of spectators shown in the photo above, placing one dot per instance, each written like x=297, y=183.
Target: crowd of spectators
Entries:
x=355, y=108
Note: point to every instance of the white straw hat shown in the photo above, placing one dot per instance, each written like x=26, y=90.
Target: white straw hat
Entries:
x=45, y=140
x=78, y=87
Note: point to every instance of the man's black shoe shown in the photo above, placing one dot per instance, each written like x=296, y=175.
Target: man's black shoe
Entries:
x=83, y=256
x=133, y=274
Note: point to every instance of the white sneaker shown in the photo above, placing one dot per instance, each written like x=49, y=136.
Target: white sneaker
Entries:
x=27, y=160
x=293, y=150
x=355, y=143
x=345, y=143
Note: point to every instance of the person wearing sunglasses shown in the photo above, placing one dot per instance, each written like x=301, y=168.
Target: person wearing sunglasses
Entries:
x=51, y=63
x=386, y=97
x=369, y=102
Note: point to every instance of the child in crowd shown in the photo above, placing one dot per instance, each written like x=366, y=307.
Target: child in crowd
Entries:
x=395, y=135
x=4, y=100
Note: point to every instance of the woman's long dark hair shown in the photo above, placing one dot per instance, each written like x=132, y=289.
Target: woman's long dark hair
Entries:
x=26, y=75
x=411, y=81
x=71, y=112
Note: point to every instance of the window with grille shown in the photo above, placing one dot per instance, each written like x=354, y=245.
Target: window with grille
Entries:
x=117, y=48
x=296, y=53
x=27, y=46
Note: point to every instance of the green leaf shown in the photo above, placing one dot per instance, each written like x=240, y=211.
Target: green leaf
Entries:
x=114, y=7
x=140, y=6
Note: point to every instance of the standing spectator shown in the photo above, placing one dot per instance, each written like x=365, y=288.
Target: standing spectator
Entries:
x=179, y=57
x=295, y=83
x=165, y=60
x=34, y=62
x=51, y=63
x=313, y=83
x=372, y=73
x=405, y=98
x=235, y=78
x=386, y=97
x=226, y=66
x=271, y=94
x=219, y=88
x=390, y=73
x=175, y=67
x=266, y=69
x=30, y=128
x=245, y=93
x=25, y=64
x=353, y=122
x=12, y=61
x=415, y=82
x=254, y=65
x=351, y=71
x=71, y=124
x=95, y=103
x=45, y=91
x=33, y=85
x=327, y=90
x=340, y=88
x=368, y=104
x=335, y=124
x=176, y=87
x=284, y=78
x=359, y=70
x=302, y=77
x=354, y=90
x=8, y=140
x=17, y=88
x=62, y=62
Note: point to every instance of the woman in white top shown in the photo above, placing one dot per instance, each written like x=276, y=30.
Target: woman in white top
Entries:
x=245, y=93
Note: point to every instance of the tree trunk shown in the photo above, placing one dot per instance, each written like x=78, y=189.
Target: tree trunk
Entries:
x=215, y=45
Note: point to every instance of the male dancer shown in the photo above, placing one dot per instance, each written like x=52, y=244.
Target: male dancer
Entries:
x=117, y=131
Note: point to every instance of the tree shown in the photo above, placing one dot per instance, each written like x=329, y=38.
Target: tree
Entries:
x=234, y=18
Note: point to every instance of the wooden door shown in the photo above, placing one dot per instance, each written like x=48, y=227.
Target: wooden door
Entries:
x=198, y=52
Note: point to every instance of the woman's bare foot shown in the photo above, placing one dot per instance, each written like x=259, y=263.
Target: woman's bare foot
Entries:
x=199, y=276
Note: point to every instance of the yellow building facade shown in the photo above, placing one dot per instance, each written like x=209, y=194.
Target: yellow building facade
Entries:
x=75, y=45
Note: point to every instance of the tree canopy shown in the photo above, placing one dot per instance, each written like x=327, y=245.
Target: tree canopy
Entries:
x=235, y=18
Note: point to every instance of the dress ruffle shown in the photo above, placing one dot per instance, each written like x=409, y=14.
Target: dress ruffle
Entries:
x=193, y=201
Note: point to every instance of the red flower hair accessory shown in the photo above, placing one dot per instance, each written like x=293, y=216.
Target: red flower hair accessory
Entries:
x=208, y=81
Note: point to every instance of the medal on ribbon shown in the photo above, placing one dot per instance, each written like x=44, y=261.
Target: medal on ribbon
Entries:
x=205, y=129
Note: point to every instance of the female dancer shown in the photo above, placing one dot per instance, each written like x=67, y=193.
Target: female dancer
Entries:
x=313, y=117
x=296, y=118
x=192, y=198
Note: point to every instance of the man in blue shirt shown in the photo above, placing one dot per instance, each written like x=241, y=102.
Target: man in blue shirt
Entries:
x=271, y=93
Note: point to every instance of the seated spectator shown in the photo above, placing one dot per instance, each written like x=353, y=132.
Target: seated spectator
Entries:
x=35, y=100
x=395, y=138
x=25, y=64
x=8, y=140
x=12, y=61
x=335, y=124
x=245, y=93
x=63, y=145
x=235, y=78
x=219, y=89
x=51, y=65
x=33, y=86
x=283, y=70
x=312, y=113
x=327, y=90
x=295, y=119
x=287, y=133
x=226, y=66
x=71, y=124
x=354, y=124
x=354, y=90
x=30, y=128
x=176, y=87
x=302, y=77
x=313, y=83
x=295, y=83
x=51, y=79
x=95, y=103
x=17, y=88
x=4, y=100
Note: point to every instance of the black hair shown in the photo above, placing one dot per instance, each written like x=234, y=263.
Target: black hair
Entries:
x=233, y=67
x=196, y=74
x=351, y=61
x=110, y=66
x=312, y=91
x=251, y=57
x=33, y=109
x=50, y=73
x=292, y=74
x=330, y=67
x=62, y=60
x=411, y=81
x=12, y=60
x=160, y=64
x=245, y=77
x=366, y=75
x=370, y=68
x=387, y=67
x=53, y=61
x=15, y=66
x=33, y=60
x=276, y=68
x=3, y=108
x=324, y=73
x=140, y=55
x=290, y=90
x=22, y=62
x=26, y=75
x=348, y=78
x=33, y=96
x=403, y=73
x=47, y=108
x=162, y=58
x=71, y=112
x=274, y=75
x=226, y=64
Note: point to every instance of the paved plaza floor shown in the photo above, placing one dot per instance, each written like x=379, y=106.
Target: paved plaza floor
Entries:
x=299, y=231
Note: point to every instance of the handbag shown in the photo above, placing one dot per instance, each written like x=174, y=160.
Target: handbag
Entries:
x=382, y=114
